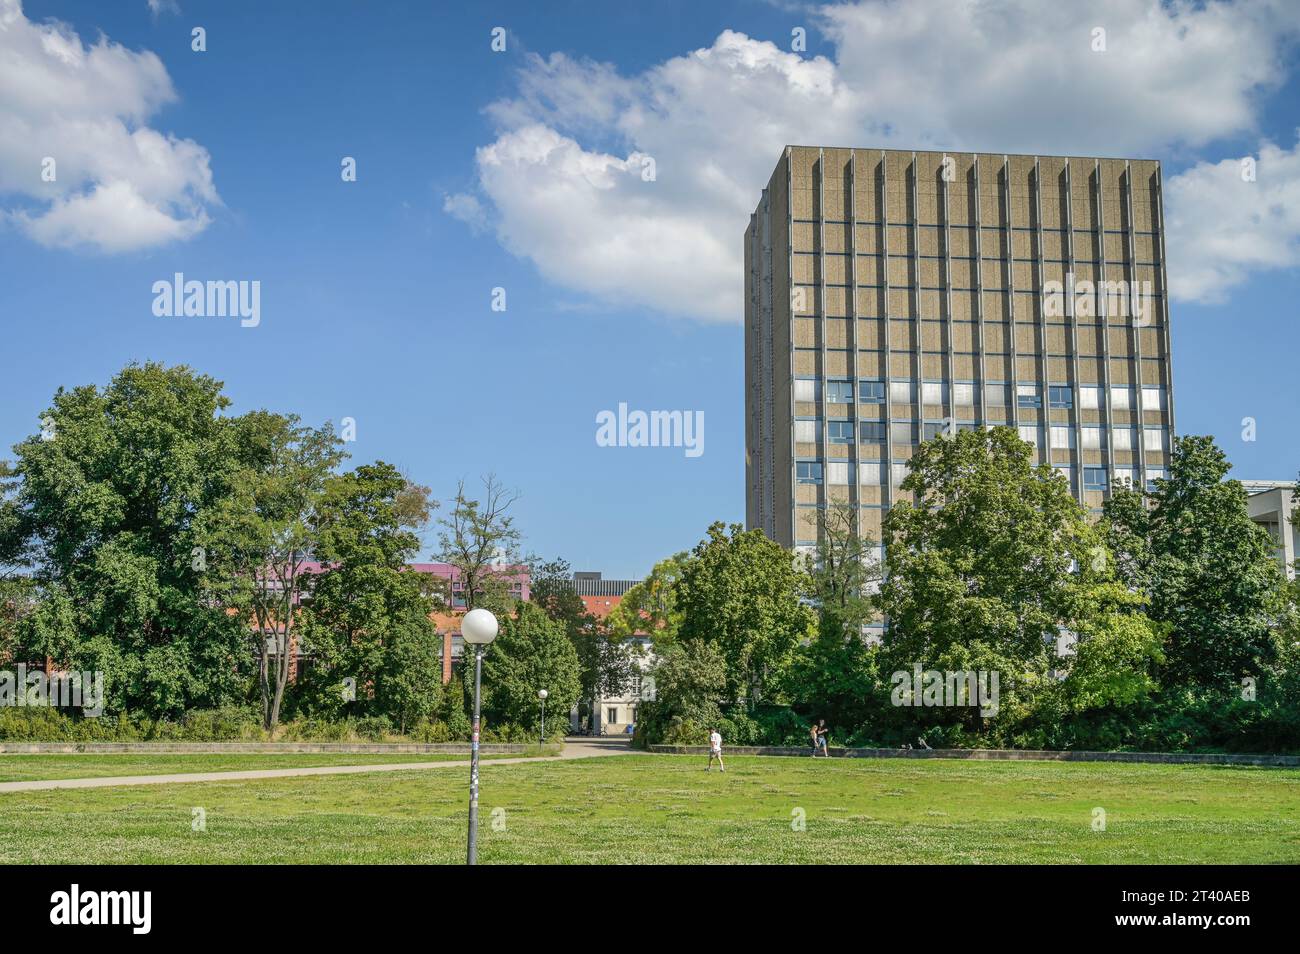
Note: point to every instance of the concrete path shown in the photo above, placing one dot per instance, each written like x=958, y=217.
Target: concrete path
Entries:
x=582, y=748
x=577, y=749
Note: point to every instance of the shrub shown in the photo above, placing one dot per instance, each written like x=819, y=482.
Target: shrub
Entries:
x=737, y=728
x=685, y=732
x=780, y=725
x=431, y=731
x=373, y=728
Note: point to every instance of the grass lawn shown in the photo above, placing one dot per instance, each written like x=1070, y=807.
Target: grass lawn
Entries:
x=22, y=768
x=659, y=808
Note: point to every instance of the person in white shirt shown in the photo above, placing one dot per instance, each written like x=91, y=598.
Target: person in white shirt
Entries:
x=715, y=750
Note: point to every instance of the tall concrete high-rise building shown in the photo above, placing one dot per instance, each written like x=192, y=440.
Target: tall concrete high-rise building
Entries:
x=893, y=296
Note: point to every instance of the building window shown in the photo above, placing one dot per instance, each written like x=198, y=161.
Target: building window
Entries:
x=869, y=473
x=963, y=394
x=1123, y=438
x=871, y=392
x=932, y=392
x=1060, y=396
x=805, y=432
x=1092, y=438
x=1121, y=398
x=1066, y=471
x=1125, y=475
x=1029, y=433
x=901, y=392
x=807, y=389
x=1153, y=438
x=839, y=473
x=1153, y=475
x=995, y=395
x=808, y=471
x=1090, y=398
x=932, y=429
x=1062, y=437
x=840, y=432
x=872, y=432
x=1028, y=396
x=1153, y=398
x=901, y=432
x=897, y=472
x=611, y=714
x=839, y=392
x=1094, y=478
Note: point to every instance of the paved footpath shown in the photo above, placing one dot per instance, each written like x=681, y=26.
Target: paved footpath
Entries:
x=577, y=749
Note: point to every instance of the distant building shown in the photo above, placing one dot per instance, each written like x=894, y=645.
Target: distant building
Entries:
x=894, y=296
x=600, y=596
x=1270, y=503
x=518, y=578
x=446, y=624
x=615, y=715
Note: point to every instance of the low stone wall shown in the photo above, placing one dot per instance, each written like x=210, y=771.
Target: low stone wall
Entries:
x=1027, y=755
x=282, y=748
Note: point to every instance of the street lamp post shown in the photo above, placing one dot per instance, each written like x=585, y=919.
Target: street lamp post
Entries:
x=479, y=627
x=542, y=694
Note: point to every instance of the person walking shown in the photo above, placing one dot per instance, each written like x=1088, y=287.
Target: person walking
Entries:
x=815, y=739
x=823, y=738
x=715, y=750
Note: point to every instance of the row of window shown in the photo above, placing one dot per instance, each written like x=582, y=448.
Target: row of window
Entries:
x=1096, y=296
x=871, y=474
x=966, y=394
x=1029, y=229
x=991, y=259
x=1060, y=436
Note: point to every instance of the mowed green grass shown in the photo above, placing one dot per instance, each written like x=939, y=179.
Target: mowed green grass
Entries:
x=667, y=809
x=22, y=768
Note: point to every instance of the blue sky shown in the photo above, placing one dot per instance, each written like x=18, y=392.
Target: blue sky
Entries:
x=522, y=170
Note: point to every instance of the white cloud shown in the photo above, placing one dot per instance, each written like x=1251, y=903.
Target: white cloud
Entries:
x=120, y=184
x=113, y=217
x=1023, y=76
x=1221, y=227
x=468, y=209
x=163, y=6
x=591, y=217
x=564, y=172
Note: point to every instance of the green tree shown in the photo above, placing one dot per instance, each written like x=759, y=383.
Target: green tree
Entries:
x=605, y=662
x=368, y=615
x=262, y=536
x=742, y=592
x=991, y=559
x=836, y=675
x=650, y=607
x=1117, y=651
x=551, y=587
x=690, y=680
x=454, y=708
x=408, y=677
x=17, y=600
x=480, y=540
x=1202, y=565
x=102, y=507
x=845, y=571
x=530, y=653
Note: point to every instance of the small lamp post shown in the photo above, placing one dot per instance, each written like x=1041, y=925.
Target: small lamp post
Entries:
x=542, y=694
x=479, y=628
